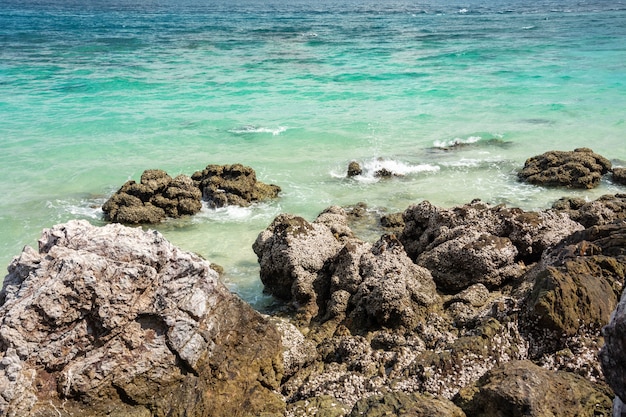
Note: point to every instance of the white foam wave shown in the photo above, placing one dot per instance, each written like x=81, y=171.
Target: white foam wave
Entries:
x=230, y=214
x=373, y=167
x=84, y=209
x=456, y=142
x=251, y=129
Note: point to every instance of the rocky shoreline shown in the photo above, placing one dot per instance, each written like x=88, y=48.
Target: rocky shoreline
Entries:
x=475, y=310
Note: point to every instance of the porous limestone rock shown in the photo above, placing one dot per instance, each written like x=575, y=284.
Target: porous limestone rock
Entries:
x=154, y=198
x=619, y=176
x=292, y=254
x=521, y=388
x=577, y=284
x=117, y=321
x=581, y=168
x=479, y=243
x=236, y=184
x=603, y=210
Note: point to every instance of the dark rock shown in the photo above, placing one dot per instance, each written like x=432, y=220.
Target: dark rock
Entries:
x=384, y=173
x=581, y=168
x=619, y=175
x=578, y=281
x=479, y=243
x=117, y=321
x=393, y=221
x=521, y=388
x=236, y=184
x=354, y=169
x=156, y=197
x=605, y=209
x=613, y=353
x=403, y=404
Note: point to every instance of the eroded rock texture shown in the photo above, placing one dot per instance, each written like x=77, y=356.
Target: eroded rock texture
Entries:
x=117, y=321
x=236, y=184
x=581, y=168
x=154, y=198
x=403, y=325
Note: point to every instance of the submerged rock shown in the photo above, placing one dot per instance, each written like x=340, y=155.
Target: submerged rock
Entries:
x=354, y=169
x=581, y=168
x=619, y=175
x=113, y=319
x=154, y=198
x=236, y=184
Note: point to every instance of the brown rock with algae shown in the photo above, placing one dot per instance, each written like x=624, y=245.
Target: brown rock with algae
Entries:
x=112, y=319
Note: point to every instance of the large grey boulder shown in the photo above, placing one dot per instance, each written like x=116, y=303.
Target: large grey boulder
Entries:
x=117, y=321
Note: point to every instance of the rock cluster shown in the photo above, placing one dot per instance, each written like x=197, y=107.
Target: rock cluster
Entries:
x=581, y=168
x=236, y=184
x=154, y=198
x=158, y=196
x=117, y=321
x=469, y=311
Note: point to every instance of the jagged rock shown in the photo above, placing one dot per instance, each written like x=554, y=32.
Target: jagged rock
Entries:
x=581, y=168
x=383, y=288
x=105, y=320
x=619, y=175
x=521, y=388
x=292, y=254
x=578, y=282
x=407, y=405
x=156, y=197
x=235, y=184
x=613, y=353
x=354, y=169
x=605, y=209
x=479, y=243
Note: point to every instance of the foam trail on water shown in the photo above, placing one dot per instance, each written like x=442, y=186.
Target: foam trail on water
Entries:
x=251, y=129
x=373, y=168
x=456, y=142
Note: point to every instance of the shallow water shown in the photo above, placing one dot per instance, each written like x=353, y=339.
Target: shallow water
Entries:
x=93, y=94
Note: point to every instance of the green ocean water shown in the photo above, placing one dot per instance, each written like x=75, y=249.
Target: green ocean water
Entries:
x=92, y=94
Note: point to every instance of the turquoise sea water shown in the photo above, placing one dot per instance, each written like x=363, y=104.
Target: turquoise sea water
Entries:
x=92, y=93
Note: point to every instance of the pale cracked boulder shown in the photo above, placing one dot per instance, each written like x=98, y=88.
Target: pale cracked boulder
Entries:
x=293, y=254
x=117, y=321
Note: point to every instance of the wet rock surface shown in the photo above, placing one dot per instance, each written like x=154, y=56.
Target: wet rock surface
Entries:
x=236, y=184
x=619, y=175
x=581, y=168
x=154, y=198
x=112, y=319
x=158, y=196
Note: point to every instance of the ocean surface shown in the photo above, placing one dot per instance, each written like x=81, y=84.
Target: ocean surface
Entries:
x=93, y=92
